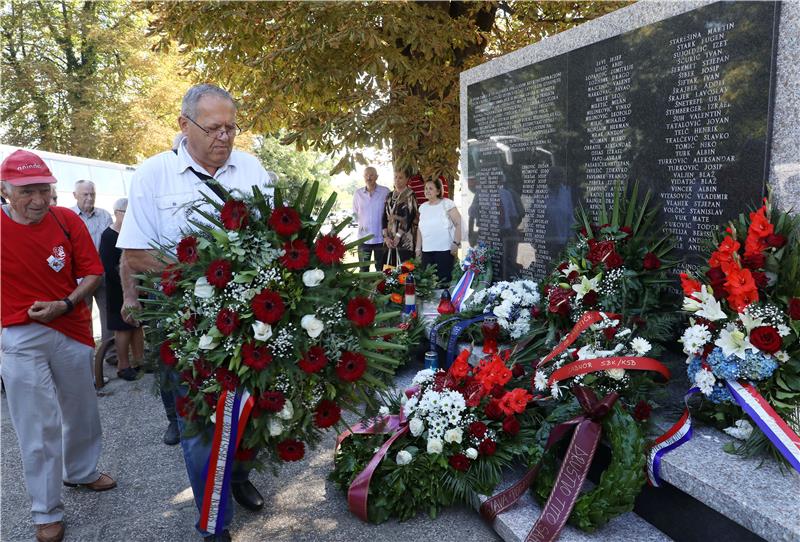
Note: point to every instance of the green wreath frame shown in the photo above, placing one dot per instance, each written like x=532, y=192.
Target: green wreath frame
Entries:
x=620, y=483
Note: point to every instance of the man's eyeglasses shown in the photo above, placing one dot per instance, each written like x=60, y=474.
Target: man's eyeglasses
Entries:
x=230, y=131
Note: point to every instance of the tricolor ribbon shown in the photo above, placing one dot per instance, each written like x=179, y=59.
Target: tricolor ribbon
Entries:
x=433, y=337
x=571, y=475
x=785, y=440
x=358, y=492
x=233, y=411
x=461, y=288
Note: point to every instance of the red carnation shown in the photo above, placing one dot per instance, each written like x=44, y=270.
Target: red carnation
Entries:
x=794, y=308
x=477, y=429
x=511, y=425
x=776, y=240
x=314, y=360
x=351, y=366
x=245, y=454
x=614, y=261
x=651, y=262
x=327, y=414
x=754, y=261
x=169, y=280
x=227, y=321
x=285, y=221
x=610, y=333
x=766, y=339
x=297, y=255
x=256, y=357
x=589, y=298
x=361, y=311
x=329, y=249
x=291, y=450
x=219, y=273
x=234, y=215
x=493, y=410
x=271, y=401
x=642, y=411
x=187, y=250
x=487, y=447
x=267, y=306
x=167, y=354
x=227, y=379
x=459, y=462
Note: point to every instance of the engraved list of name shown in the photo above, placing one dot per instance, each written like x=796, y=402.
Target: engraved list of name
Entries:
x=697, y=124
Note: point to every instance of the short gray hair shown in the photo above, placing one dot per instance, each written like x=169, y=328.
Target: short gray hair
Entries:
x=193, y=95
x=121, y=204
x=82, y=181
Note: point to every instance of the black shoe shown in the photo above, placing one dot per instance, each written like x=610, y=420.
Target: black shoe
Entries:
x=224, y=536
x=172, y=435
x=129, y=373
x=247, y=495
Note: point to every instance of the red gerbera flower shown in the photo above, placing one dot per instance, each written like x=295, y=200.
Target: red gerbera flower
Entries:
x=227, y=321
x=167, y=354
x=234, y=214
x=187, y=250
x=361, y=311
x=351, y=366
x=459, y=462
x=329, y=249
x=268, y=306
x=285, y=221
x=291, y=450
x=256, y=357
x=219, y=273
x=327, y=414
x=271, y=401
x=297, y=255
x=169, y=280
x=227, y=379
x=314, y=360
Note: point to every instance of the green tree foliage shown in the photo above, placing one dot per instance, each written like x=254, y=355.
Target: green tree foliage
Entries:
x=79, y=77
x=340, y=76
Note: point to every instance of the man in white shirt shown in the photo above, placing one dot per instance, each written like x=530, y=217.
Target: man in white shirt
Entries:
x=162, y=191
x=368, y=203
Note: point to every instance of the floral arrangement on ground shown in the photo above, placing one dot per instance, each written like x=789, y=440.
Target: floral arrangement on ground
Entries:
x=745, y=322
x=619, y=266
x=460, y=428
x=259, y=300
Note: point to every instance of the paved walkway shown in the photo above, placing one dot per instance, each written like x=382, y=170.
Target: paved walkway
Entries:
x=154, y=503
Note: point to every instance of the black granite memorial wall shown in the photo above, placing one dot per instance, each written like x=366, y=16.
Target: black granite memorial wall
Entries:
x=682, y=106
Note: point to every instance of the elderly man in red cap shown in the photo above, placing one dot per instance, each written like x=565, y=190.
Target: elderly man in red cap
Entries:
x=46, y=342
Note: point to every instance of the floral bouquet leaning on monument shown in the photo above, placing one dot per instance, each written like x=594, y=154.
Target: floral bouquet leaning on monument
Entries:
x=742, y=341
x=260, y=316
x=618, y=266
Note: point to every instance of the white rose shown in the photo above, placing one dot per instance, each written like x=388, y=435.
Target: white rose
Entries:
x=312, y=325
x=287, y=411
x=207, y=342
x=262, y=331
x=403, y=458
x=416, y=427
x=313, y=277
x=434, y=446
x=203, y=289
x=471, y=453
x=453, y=435
x=274, y=426
x=616, y=374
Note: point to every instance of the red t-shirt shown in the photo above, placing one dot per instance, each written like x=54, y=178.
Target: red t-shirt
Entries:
x=417, y=185
x=29, y=257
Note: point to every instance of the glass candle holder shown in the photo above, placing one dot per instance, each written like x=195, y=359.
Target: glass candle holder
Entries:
x=491, y=332
x=445, y=303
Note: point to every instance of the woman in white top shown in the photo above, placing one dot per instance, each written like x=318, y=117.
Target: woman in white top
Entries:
x=439, y=232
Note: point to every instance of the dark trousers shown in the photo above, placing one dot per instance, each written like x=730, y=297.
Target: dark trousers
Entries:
x=375, y=252
x=444, y=260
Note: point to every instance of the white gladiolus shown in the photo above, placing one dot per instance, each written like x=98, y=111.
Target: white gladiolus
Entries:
x=435, y=446
x=207, y=342
x=287, y=411
x=416, y=427
x=313, y=277
x=203, y=289
x=312, y=325
x=403, y=458
x=262, y=331
x=453, y=435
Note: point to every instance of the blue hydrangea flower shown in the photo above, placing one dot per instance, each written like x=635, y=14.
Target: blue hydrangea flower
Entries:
x=720, y=394
x=722, y=367
x=758, y=365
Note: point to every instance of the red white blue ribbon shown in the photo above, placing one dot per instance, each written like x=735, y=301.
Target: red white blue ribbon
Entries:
x=233, y=410
x=461, y=288
x=677, y=435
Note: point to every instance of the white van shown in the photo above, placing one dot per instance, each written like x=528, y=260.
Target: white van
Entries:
x=111, y=180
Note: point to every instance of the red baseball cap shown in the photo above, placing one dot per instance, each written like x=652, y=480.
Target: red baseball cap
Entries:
x=21, y=168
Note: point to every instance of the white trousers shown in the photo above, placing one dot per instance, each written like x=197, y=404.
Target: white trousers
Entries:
x=53, y=407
